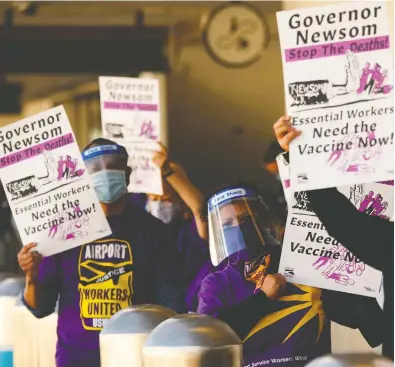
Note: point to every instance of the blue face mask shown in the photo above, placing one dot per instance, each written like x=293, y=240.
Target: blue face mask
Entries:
x=109, y=185
x=243, y=237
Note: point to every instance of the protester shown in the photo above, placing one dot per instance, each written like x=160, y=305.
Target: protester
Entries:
x=190, y=232
x=370, y=238
x=135, y=265
x=289, y=323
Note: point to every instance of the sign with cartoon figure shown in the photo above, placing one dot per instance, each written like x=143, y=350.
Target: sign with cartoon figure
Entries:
x=338, y=75
x=48, y=189
x=130, y=117
x=311, y=257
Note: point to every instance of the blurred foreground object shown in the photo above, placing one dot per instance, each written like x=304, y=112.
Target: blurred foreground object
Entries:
x=195, y=341
x=123, y=336
x=351, y=360
x=10, y=288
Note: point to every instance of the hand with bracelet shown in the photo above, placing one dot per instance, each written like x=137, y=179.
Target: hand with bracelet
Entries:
x=161, y=159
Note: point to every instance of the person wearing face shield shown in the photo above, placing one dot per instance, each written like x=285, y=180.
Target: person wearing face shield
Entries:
x=280, y=323
x=135, y=265
x=189, y=232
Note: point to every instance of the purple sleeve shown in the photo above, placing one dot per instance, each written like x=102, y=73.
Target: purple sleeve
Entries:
x=212, y=295
x=194, y=286
x=47, y=288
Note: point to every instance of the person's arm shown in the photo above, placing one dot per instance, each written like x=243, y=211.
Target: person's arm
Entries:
x=369, y=238
x=212, y=295
x=168, y=271
x=192, y=197
x=175, y=176
x=42, y=282
x=241, y=317
x=355, y=312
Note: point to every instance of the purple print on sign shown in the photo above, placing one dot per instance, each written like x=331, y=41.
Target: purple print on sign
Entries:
x=68, y=225
x=355, y=160
x=339, y=264
x=371, y=203
x=147, y=130
x=67, y=168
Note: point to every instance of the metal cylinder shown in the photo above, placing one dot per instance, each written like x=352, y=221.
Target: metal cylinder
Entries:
x=351, y=360
x=123, y=336
x=10, y=289
x=25, y=336
x=193, y=341
x=47, y=339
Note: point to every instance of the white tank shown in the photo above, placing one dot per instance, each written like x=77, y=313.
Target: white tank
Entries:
x=351, y=360
x=25, y=336
x=47, y=339
x=10, y=289
x=123, y=336
x=193, y=341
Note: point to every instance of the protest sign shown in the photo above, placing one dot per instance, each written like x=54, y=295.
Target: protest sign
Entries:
x=143, y=178
x=48, y=189
x=311, y=257
x=338, y=76
x=130, y=116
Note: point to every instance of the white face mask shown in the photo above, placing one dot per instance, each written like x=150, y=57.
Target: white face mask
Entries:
x=166, y=211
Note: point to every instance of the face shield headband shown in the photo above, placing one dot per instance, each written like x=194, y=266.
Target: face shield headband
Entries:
x=105, y=157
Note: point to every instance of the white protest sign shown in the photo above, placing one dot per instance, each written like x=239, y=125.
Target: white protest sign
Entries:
x=48, y=189
x=338, y=76
x=144, y=171
x=131, y=117
x=311, y=257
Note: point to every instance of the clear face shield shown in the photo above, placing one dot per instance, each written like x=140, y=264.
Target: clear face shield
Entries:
x=106, y=165
x=240, y=220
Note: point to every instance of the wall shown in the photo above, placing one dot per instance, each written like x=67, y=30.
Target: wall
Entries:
x=207, y=101
x=8, y=119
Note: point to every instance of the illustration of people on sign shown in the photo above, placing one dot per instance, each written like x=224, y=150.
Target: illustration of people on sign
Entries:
x=355, y=160
x=70, y=228
x=374, y=205
x=67, y=168
x=147, y=130
x=369, y=203
x=55, y=171
x=340, y=269
x=370, y=80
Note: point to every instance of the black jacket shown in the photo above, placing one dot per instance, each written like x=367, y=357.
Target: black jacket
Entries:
x=369, y=238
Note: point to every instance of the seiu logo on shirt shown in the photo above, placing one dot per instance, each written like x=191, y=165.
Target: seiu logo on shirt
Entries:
x=106, y=275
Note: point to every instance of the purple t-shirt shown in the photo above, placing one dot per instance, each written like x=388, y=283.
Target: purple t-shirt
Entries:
x=135, y=265
x=291, y=331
